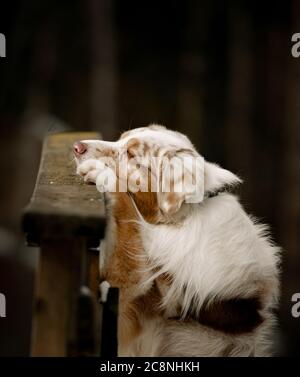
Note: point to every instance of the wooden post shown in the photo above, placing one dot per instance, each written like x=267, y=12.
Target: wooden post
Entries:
x=57, y=285
x=65, y=217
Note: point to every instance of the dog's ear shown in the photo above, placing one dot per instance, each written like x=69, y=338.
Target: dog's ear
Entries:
x=215, y=178
x=185, y=177
x=180, y=180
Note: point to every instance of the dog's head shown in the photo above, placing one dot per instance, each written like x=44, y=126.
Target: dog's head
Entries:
x=159, y=168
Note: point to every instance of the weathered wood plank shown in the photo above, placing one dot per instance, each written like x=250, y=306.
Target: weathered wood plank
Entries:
x=57, y=290
x=64, y=217
x=62, y=205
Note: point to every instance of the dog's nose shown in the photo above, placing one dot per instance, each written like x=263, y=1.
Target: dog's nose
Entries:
x=79, y=148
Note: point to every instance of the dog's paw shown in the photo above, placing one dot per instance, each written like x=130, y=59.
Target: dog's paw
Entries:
x=106, y=182
x=90, y=170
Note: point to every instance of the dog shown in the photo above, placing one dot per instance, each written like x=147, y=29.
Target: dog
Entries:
x=197, y=276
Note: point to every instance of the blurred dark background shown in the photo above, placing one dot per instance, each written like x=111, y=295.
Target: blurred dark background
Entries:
x=219, y=71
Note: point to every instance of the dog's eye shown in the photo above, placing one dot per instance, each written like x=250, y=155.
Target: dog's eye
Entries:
x=130, y=152
x=134, y=147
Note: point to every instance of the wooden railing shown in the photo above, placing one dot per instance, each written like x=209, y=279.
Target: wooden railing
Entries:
x=66, y=219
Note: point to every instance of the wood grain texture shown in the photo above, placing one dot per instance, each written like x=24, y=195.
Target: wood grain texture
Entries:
x=62, y=205
x=64, y=217
x=57, y=290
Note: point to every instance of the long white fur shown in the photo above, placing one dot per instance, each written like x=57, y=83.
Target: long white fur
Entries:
x=215, y=251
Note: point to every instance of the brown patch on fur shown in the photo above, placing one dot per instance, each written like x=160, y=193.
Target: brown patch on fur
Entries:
x=146, y=203
x=126, y=266
x=172, y=197
x=133, y=146
x=233, y=316
x=126, y=259
x=133, y=313
x=165, y=278
x=148, y=304
x=147, y=148
x=106, y=152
